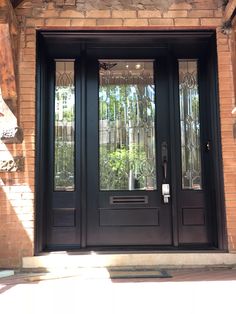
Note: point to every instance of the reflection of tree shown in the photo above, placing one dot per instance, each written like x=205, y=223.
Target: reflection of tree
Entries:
x=64, y=165
x=190, y=130
x=64, y=137
x=123, y=165
x=127, y=137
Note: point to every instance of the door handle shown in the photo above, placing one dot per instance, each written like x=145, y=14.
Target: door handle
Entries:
x=164, y=156
x=165, y=186
x=165, y=169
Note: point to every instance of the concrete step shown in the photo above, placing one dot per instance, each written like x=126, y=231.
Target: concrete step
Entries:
x=64, y=260
x=6, y=273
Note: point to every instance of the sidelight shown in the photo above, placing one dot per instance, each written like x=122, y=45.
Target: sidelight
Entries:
x=190, y=124
x=127, y=149
x=64, y=126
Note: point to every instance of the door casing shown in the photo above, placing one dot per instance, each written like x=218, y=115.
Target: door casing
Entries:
x=177, y=45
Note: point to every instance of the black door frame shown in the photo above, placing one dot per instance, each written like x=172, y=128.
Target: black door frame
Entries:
x=100, y=209
x=48, y=41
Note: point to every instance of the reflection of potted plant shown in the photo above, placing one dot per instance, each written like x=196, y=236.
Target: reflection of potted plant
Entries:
x=126, y=168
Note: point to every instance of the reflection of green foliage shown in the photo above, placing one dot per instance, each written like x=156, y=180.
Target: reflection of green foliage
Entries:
x=195, y=107
x=126, y=106
x=68, y=115
x=126, y=101
x=116, y=165
x=64, y=164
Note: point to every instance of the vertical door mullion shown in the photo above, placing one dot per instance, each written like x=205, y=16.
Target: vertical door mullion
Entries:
x=50, y=140
x=173, y=140
x=82, y=139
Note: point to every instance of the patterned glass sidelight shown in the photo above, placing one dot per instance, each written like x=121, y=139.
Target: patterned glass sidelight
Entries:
x=190, y=124
x=127, y=157
x=64, y=126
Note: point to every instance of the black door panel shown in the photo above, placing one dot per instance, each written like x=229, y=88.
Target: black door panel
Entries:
x=119, y=121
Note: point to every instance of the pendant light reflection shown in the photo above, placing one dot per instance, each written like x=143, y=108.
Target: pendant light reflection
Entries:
x=127, y=157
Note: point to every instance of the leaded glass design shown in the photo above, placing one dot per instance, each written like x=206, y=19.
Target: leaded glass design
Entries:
x=64, y=126
x=190, y=125
x=127, y=156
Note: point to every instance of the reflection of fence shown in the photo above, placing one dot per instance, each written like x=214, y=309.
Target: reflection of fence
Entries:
x=64, y=131
x=127, y=155
x=117, y=133
x=64, y=156
x=127, y=132
x=64, y=165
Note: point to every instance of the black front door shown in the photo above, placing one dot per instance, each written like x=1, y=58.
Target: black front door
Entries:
x=126, y=147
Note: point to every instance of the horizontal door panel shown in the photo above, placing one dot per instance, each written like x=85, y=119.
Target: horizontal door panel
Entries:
x=193, y=216
x=64, y=217
x=127, y=217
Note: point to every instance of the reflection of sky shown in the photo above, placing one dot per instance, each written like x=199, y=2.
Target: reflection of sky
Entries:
x=131, y=95
x=65, y=97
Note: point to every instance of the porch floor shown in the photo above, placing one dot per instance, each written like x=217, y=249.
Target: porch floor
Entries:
x=188, y=291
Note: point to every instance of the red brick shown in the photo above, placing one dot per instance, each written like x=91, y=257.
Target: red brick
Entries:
x=72, y=14
x=57, y=22
x=34, y=22
x=124, y=14
x=100, y=14
x=161, y=22
x=175, y=13
x=83, y=22
x=201, y=13
x=180, y=6
x=211, y=21
x=193, y=14
x=186, y=22
x=109, y=22
x=135, y=22
x=149, y=14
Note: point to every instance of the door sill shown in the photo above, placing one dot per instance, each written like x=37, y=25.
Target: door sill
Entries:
x=130, y=250
x=174, y=259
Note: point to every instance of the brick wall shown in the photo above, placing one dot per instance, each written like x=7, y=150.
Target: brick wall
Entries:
x=17, y=193
x=226, y=96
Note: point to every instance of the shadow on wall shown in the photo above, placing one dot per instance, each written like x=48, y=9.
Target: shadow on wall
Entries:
x=16, y=195
x=16, y=223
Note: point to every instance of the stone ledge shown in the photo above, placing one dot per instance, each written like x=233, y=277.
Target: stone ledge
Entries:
x=12, y=135
x=14, y=164
x=57, y=260
x=6, y=273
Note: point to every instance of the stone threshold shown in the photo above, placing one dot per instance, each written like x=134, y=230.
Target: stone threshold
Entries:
x=6, y=273
x=63, y=260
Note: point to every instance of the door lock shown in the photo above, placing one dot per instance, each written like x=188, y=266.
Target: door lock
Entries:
x=166, y=192
x=164, y=157
x=165, y=186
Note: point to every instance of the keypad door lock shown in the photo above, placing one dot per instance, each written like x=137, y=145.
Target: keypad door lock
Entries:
x=166, y=192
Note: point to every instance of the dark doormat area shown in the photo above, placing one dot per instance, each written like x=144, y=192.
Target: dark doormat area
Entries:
x=129, y=272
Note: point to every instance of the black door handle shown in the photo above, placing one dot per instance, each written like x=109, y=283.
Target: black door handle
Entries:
x=164, y=157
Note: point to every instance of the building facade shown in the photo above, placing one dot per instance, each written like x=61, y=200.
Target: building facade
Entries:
x=117, y=127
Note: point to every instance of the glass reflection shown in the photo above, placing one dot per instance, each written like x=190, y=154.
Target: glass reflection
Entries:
x=127, y=157
x=64, y=126
x=190, y=125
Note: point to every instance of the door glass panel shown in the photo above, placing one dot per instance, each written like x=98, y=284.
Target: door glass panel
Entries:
x=127, y=152
x=64, y=126
x=190, y=125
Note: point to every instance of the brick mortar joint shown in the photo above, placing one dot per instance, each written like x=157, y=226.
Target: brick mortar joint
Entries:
x=160, y=14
